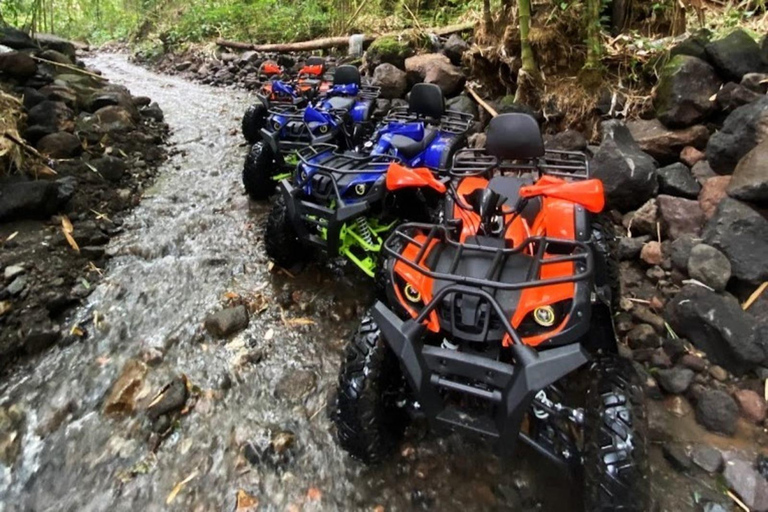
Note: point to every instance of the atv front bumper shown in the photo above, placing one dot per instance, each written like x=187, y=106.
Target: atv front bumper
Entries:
x=509, y=389
x=310, y=219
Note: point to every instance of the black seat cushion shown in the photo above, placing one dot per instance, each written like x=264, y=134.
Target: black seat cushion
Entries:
x=514, y=136
x=345, y=75
x=427, y=100
x=509, y=187
x=341, y=103
x=408, y=147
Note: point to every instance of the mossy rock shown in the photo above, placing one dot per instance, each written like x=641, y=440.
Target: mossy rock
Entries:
x=390, y=50
x=682, y=97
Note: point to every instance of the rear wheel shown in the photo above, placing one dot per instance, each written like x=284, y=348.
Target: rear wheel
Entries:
x=280, y=239
x=254, y=120
x=615, y=458
x=258, y=171
x=368, y=419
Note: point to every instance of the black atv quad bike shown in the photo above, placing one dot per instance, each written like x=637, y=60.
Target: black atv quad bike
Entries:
x=492, y=312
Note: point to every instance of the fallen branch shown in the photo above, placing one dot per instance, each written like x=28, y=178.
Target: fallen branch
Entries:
x=482, y=102
x=325, y=43
x=32, y=151
x=70, y=67
x=755, y=295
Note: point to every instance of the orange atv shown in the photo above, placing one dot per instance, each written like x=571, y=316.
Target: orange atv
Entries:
x=309, y=83
x=492, y=312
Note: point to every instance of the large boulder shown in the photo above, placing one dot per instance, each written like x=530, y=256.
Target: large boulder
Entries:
x=628, y=174
x=694, y=45
x=741, y=234
x=33, y=199
x=732, y=96
x=57, y=44
x=435, y=68
x=388, y=49
x=718, y=326
x=454, y=48
x=677, y=180
x=665, y=144
x=16, y=39
x=60, y=145
x=391, y=80
x=682, y=97
x=48, y=117
x=680, y=216
x=18, y=65
x=736, y=55
x=743, y=129
x=750, y=179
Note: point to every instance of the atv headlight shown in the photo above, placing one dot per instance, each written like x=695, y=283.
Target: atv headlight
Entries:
x=545, y=316
x=323, y=128
x=361, y=189
x=276, y=126
x=412, y=294
x=303, y=175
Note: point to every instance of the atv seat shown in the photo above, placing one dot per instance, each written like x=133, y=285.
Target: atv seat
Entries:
x=345, y=75
x=341, y=103
x=427, y=100
x=408, y=147
x=509, y=187
x=514, y=136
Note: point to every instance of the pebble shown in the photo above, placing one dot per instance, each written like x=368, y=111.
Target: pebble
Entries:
x=752, y=405
x=718, y=373
x=17, y=286
x=13, y=271
x=707, y=458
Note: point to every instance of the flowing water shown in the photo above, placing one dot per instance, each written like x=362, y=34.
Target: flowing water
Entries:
x=194, y=239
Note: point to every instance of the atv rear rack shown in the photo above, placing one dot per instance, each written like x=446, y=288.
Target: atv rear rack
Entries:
x=580, y=255
x=369, y=92
x=562, y=164
x=453, y=122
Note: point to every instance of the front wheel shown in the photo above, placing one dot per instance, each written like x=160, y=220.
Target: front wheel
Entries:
x=615, y=457
x=369, y=416
x=254, y=119
x=258, y=171
x=280, y=239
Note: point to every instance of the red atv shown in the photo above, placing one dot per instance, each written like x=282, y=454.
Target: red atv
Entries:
x=492, y=312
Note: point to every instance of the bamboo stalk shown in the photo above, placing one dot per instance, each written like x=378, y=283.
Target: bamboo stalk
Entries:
x=70, y=67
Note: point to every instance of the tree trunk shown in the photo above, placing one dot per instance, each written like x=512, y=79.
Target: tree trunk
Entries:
x=487, y=20
x=594, y=41
x=528, y=78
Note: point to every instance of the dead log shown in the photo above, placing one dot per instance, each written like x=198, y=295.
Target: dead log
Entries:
x=325, y=43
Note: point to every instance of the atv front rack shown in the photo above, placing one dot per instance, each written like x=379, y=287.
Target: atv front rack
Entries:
x=453, y=122
x=572, y=251
x=347, y=162
x=571, y=165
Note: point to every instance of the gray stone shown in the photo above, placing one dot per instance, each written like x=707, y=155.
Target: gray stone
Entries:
x=629, y=248
x=454, y=48
x=707, y=458
x=227, y=321
x=680, y=250
x=717, y=411
x=12, y=271
x=60, y=145
x=732, y=96
x=748, y=483
x=677, y=180
x=391, y=80
x=675, y=380
x=680, y=216
x=17, y=286
x=665, y=144
x=756, y=82
x=736, y=55
x=683, y=94
x=741, y=234
x=750, y=178
x=435, y=68
x=741, y=131
x=110, y=167
x=643, y=336
x=709, y=266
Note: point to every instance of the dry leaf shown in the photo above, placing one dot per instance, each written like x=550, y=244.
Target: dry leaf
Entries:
x=179, y=486
x=5, y=306
x=300, y=321
x=314, y=494
x=246, y=502
x=66, y=227
x=76, y=331
x=12, y=236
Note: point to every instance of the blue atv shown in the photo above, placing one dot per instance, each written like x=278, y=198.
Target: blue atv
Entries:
x=342, y=117
x=423, y=133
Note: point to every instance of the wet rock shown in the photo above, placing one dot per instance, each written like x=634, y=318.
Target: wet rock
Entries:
x=735, y=55
x=683, y=94
x=644, y=220
x=680, y=216
x=752, y=405
x=115, y=119
x=651, y=253
x=435, y=68
x=152, y=356
x=55, y=56
x=295, y=385
x=693, y=45
x=17, y=65
x=741, y=131
x=48, y=117
x=643, y=336
x=707, y=458
x=709, y=266
x=29, y=200
x=393, y=81
x=12, y=420
x=732, y=96
x=747, y=483
x=122, y=396
x=110, y=167
x=40, y=338
x=693, y=362
x=690, y=156
x=665, y=144
x=678, y=406
x=12, y=271
x=227, y=322
x=171, y=398
x=628, y=174
x=717, y=411
x=676, y=456
x=675, y=380
x=718, y=326
x=454, y=48
x=756, y=82
x=154, y=112
x=677, y=180
x=712, y=192
x=60, y=145
x=750, y=178
x=57, y=43
x=629, y=248
x=60, y=93
x=741, y=234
